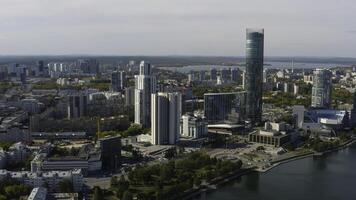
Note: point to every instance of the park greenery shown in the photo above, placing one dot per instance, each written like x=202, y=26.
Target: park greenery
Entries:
x=5, y=145
x=11, y=189
x=4, y=86
x=171, y=179
x=136, y=154
x=281, y=99
x=101, y=85
x=340, y=96
x=58, y=152
x=20, y=166
x=133, y=130
x=88, y=125
x=319, y=145
x=65, y=186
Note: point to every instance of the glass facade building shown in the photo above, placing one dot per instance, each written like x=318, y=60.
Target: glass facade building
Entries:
x=254, y=74
x=321, y=91
x=219, y=107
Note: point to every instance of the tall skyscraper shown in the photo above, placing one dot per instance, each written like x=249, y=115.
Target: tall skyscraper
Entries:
x=353, y=113
x=118, y=79
x=90, y=66
x=77, y=105
x=254, y=69
x=41, y=67
x=234, y=74
x=224, y=73
x=202, y=76
x=213, y=74
x=145, y=85
x=110, y=152
x=166, y=113
x=321, y=91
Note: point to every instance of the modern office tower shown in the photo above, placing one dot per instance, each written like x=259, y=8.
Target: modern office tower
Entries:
x=77, y=105
x=254, y=71
x=264, y=75
x=129, y=96
x=166, y=113
x=224, y=75
x=118, y=81
x=193, y=126
x=110, y=152
x=321, y=91
x=218, y=107
x=90, y=66
x=12, y=69
x=191, y=77
x=213, y=74
x=23, y=78
x=202, y=76
x=234, y=74
x=145, y=85
x=41, y=66
x=3, y=73
x=353, y=113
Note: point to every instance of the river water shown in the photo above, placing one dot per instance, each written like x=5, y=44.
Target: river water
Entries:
x=275, y=65
x=331, y=177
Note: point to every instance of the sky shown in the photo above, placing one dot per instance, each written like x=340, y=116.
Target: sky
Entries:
x=177, y=27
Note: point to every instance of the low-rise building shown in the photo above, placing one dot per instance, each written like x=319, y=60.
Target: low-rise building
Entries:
x=90, y=164
x=193, y=126
x=275, y=134
x=49, y=179
x=32, y=106
x=320, y=121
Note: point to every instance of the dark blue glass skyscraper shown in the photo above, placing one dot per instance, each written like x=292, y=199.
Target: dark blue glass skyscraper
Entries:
x=254, y=72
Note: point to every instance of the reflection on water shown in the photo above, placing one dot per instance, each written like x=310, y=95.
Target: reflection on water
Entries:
x=251, y=182
x=320, y=163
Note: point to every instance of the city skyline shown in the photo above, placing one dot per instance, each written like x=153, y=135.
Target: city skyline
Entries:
x=207, y=28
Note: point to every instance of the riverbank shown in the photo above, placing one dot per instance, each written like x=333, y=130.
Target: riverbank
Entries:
x=214, y=183
x=306, y=155
x=328, y=177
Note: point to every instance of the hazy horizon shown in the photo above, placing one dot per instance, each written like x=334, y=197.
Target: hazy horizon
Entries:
x=319, y=28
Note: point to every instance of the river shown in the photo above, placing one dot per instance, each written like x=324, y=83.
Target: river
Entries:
x=331, y=177
x=275, y=65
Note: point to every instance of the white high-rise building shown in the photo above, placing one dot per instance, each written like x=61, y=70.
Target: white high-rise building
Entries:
x=166, y=113
x=145, y=85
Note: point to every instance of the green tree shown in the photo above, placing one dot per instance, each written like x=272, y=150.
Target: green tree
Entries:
x=170, y=153
x=5, y=145
x=98, y=194
x=15, y=191
x=127, y=195
x=121, y=186
x=113, y=181
x=65, y=186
